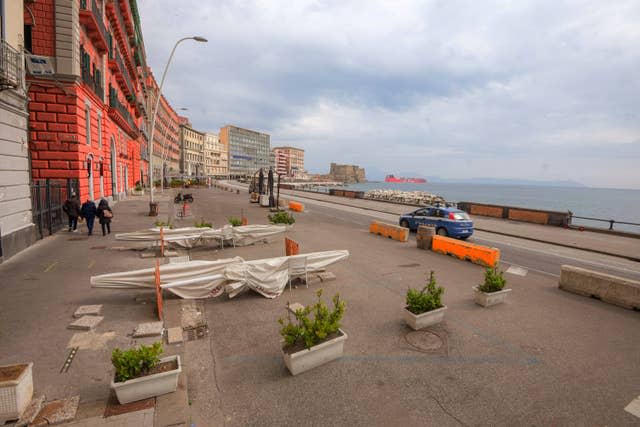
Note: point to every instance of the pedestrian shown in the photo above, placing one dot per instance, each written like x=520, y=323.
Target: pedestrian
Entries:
x=72, y=208
x=88, y=212
x=105, y=214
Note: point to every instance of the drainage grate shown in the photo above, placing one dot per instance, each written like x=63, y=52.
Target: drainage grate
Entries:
x=409, y=265
x=70, y=357
x=196, y=332
x=76, y=239
x=98, y=247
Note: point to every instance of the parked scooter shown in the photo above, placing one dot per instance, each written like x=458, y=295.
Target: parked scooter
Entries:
x=187, y=197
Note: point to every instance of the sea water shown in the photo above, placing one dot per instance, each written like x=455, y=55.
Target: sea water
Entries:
x=603, y=203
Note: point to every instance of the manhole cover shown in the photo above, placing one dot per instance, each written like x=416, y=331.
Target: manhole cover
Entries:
x=424, y=340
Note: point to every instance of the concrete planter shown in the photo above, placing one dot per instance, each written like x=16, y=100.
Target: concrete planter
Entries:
x=16, y=391
x=419, y=321
x=149, y=386
x=488, y=299
x=317, y=355
x=137, y=193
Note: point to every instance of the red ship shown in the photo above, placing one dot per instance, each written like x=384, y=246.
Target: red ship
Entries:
x=391, y=178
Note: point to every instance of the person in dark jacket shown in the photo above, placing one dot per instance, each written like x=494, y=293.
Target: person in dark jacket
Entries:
x=88, y=212
x=105, y=214
x=72, y=208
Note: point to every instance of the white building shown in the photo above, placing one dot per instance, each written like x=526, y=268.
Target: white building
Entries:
x=215, y=156
x=17, y=230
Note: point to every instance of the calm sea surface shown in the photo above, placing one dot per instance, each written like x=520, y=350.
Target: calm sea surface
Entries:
x=620, y=205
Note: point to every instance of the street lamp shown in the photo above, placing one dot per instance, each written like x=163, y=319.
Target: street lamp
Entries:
x=152, y=210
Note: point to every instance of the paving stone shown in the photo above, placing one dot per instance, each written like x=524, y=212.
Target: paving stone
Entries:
x=147, y=255
x=149, y=329
x=88, y=310
x=86, y=323
x=56, y=412
x=179, y=259
x=327, y=276
x=295, y=307
x=174, y=335
x=31, y=411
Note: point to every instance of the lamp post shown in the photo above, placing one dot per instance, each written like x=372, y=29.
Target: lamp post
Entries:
x=153, y=211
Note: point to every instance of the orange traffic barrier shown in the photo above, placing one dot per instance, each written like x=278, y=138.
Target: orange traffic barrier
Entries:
x=477, y=254
x=296, y=206
x=391, y=231
x=291, y=247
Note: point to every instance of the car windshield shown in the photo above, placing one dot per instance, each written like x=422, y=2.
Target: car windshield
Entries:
x=461, y=216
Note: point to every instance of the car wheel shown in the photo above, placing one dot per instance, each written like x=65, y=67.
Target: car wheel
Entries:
x=404, y=223
x=442, y=232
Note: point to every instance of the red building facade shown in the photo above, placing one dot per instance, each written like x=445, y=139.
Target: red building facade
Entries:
x=88, y=121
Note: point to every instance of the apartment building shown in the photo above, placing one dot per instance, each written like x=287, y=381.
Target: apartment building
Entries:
x=192, y=151
x=215, y=156
x=17, y=230
x=87, y=116
x=248, y=150
x=290, y=161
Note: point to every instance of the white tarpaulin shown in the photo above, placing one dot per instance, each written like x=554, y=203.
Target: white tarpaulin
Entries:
x=204, y=279
x=189, y=237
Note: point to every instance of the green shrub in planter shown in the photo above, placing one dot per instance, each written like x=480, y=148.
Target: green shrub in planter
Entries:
x=493, y=281
x=311, y=331
x=135, y=362
x=281, y=217
x=427, y=299
x=202, y=224
x=163, y=224
x=235, y=221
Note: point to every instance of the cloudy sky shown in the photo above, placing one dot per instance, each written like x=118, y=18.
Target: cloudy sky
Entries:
x=542, y=90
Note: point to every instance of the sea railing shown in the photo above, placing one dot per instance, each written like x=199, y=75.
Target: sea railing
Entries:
x=611, y=222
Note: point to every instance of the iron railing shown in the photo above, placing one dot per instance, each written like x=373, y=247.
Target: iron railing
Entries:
x=97, y=14
x=93, y=80
x=611, y=222
x=115, y=103
x=11, y=67
x=48, y=197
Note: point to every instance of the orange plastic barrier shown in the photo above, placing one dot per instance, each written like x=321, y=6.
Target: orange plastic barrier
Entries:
x=291, y=247
x=391, y=231
x=477, y=254
x=296, y=206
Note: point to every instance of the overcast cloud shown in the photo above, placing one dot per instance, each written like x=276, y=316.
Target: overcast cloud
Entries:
x=544, y=90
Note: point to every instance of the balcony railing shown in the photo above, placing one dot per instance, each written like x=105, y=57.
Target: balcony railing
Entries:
x=93, y=80
x=115, y=103
x=91, y=17
x=11, y=67
x=117, y=65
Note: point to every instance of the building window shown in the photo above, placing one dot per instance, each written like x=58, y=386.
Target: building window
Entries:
x=87, y=121
x=99, y=130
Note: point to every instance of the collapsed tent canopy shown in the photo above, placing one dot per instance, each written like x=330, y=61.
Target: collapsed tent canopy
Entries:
x=205, y=279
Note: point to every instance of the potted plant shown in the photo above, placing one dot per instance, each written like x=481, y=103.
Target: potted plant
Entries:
x=16, y=390
x=235, y=222
x=138, y=191
x=492, y=291
x=315, y=337
x=424, y=307
x=141, y=373
x=282, y=217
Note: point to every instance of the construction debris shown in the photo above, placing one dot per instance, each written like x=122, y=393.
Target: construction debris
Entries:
x=418, y=198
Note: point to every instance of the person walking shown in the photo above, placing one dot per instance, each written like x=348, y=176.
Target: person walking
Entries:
x=72, y=208
x=88, y=212
x=104, y=214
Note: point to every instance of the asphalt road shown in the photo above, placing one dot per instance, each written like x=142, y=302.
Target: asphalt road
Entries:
x=544, y=258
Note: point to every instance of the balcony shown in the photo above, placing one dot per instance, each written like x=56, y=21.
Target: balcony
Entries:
x=119, y=28
x=93, y=80
x=91, y=18
x=116, y=65
x=119, y=113
x=11, y=69
x=127, y=16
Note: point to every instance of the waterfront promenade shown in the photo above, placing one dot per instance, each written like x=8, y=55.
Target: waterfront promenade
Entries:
x=546, y=357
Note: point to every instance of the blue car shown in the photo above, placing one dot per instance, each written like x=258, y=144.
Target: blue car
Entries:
x=448, y=221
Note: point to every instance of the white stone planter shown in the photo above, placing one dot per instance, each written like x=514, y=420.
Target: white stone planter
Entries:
x=317, y=355
x=488, y=299
x=149, y=386
x=137, y=193
x=419, y=321
x=16, y=393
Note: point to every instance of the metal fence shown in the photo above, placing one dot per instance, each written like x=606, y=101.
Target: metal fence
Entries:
x=10, y=67
x=48, y=196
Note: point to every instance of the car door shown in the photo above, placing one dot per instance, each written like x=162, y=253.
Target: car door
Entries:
x=436, y=218
x=418, y=218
